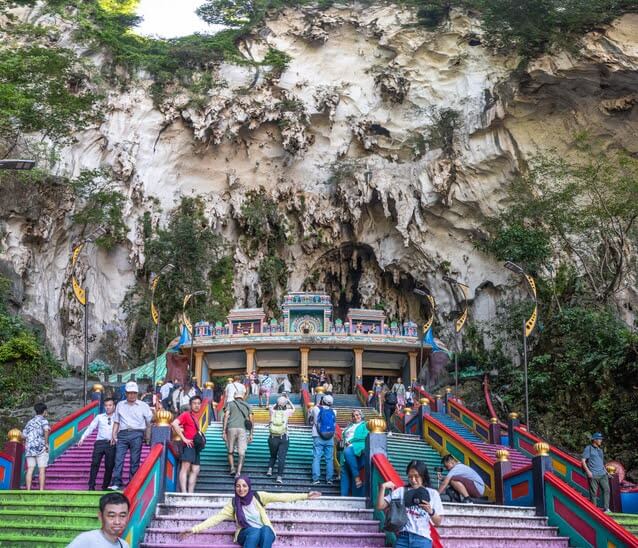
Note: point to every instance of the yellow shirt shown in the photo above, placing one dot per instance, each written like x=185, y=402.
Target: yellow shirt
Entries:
x=227, y=513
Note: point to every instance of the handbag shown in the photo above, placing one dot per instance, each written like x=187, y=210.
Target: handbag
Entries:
x=248, y=425
x=396, y=516
x=199, y=441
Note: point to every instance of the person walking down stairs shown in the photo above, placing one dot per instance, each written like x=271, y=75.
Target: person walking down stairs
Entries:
x=399, y=389
x=187, y=428
x=238, y=429
x=248, y=510
x=324, y=425
x=104, y=446
x=354, y=442
x=278, y=438
x=422, y=504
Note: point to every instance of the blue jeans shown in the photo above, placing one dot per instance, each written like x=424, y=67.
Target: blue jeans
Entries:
x=256, y=537
x=127, y=440
x=325, y=448
x=410, y=540
x=350, y=471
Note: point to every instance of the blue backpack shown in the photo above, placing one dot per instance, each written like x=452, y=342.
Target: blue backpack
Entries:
x=326, y=423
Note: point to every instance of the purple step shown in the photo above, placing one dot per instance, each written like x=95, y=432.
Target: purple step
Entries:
x=517, y=459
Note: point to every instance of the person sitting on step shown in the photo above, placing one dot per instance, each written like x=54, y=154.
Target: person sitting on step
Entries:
x=422, y=504
x=278, y=438
x=354, y=442
x=248, y=510
x=462, y=483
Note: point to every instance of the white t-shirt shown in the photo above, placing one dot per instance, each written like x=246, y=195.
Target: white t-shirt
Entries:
x=418, y=519
x=461, y=470
x=252, y=515
x=231, y=390
x=95, y=539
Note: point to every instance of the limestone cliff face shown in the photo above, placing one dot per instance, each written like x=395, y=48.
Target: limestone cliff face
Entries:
x=386, y=146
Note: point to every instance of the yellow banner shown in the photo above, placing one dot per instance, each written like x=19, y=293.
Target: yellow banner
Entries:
x=79, y=293
x=154, y=314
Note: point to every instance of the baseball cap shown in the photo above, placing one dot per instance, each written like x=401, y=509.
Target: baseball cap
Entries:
x=597, y=436
x=327, y=400
x=131, y=386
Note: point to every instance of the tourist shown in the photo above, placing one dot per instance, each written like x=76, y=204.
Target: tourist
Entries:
x=104, y=446
x=237, y=431
x=166, y=393
x=248, y=510
x=462, y=483
x=36, y=445
x=113, y=514
x=149, y=396
x=324, y=424
x=313, y=380
x=354, y=443
x=327, y=386
x=181, y=399
x=423, y=506
x=265, y=388
x=254, y=383
x=594, y=466
x=231, y=390
x=390, y=401
x=132, y=425
x=187, y=428
x=398, y=388
x=278, y=438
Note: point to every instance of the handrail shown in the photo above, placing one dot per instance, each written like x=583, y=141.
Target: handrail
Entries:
x=513, y=473
x=488, y=401
x=425, y=394
x=572, y=460
x=468, y=445
x=363, y=394
x=471, y=414
x=594, y=512
x=138, y=479
x=202, y=416
x=69, y=418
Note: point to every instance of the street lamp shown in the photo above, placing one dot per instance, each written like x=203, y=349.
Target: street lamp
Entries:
x=189, y=325
x=82, y=296
x=17, y=165
x=430, y=320
x=155, y=313
x=528, y=327
x=458, y=325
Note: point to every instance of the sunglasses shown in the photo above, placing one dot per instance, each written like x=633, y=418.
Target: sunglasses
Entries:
x=109, y=421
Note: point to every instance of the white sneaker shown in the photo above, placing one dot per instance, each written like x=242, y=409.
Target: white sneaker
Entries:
x=269, y=473
x=279, y=480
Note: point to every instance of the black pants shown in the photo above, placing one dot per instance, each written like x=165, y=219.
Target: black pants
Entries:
x=102, y=448
x=388, y=411
x=278, y=446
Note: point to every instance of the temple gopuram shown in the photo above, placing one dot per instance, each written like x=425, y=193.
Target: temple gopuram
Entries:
x=355, y=349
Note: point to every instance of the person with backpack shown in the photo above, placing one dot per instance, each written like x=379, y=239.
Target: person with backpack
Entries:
x=187, y=428
x=413, y=509
x=324, y=425
x=238, y=429
x=181, y=399
x=166, y=393
x=248, y=510
x=390, y=401
x=278, y=438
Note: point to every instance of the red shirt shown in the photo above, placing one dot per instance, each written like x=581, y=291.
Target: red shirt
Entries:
x=187, y=422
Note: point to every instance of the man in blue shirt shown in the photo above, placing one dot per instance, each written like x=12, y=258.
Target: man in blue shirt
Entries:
x=594, y=466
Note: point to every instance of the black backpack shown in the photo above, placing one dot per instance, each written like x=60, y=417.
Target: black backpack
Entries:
x=391, y=398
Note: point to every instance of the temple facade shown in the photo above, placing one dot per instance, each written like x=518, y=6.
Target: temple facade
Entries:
x=355, y=350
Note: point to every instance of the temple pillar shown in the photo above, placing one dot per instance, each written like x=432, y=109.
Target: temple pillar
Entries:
x=358, y=364
x=199, y=360
x=413, y=372
x=250, y=360
x=305, y=352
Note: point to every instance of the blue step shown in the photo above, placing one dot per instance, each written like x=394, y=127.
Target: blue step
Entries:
x=345, y=400
x=466, y=434
x=294, y=398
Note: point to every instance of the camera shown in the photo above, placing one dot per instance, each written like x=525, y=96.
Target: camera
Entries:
x=438, y=469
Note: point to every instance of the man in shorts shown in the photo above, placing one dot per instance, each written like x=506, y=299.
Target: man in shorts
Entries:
x=462, y=483
x=187, y=427
x=36, y=445
x=114, y=516
x=265, y=388
x=237, y=433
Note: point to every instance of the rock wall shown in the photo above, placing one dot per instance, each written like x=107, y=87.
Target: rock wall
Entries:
x=387, y=146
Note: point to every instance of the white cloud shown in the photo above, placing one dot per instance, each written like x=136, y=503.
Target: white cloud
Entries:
x=172, y=18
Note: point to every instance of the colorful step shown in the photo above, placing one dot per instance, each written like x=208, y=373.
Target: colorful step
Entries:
x=403, y=448
x=628, y=521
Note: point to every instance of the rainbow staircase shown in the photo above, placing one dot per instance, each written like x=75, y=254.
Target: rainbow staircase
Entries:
x=262, y=415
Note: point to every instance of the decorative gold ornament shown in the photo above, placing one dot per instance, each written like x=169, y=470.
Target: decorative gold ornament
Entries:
x=97, y=387
x=164, y=417
x=370, y=392
x=438, y=396
x=502, y=455
x=231, y=379
x=320, y=390
x=611, y=469
x=424, y=401
x=159, y=383
x=407, y=410
x=541, y=448
x=376, y=425
x=448, y=390
x=493, y=420
x=209, y=384
x=512, y=416
x=15, y=434
x=310, y=405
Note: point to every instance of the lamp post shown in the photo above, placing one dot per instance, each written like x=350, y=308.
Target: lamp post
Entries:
x=82, y=296
x=528, y=327
x=155, y=313
x=458, y=325
x=430, y=320
x=17, y=165
x=189, y=326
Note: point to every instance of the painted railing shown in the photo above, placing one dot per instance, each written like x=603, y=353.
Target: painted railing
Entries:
x=518, y=487
x=445, y=441
x=469, y=420
x=565, y=466
x=203, y=417
x=144, y=492
x=580, y=520
x=306, y=400
x=171, y=468
x=8, y=468
x=362, y=394
x=219, y=412
x=68, y=431
x=412, y=423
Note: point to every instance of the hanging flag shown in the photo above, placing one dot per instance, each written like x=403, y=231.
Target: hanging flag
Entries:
x=436, y=343
x=184, y=338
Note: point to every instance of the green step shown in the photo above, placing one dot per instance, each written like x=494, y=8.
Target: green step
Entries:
x=628, y=521
x=61, y=498
x=32, y=541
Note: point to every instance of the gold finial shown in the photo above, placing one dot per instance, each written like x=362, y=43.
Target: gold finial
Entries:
x=611, y=469
x=513, y=416
x=15, y=434
x=370, y=392
x=407, y=410
x=97, y=387
x=304, y=378
x=448, y=390
x=542, y=449
x=209, y=384
x=158, y=383
x=310, y=405
x=320, y=390
x=502, y=455
x=424, y=401
x=164, y=417
x=230, y=379
x=493, y=420
x=438, y=396
x=376, y=425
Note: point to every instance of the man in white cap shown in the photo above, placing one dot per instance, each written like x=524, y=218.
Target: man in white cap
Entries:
x=132, y=425
x=324, y=424
x=238, y=429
